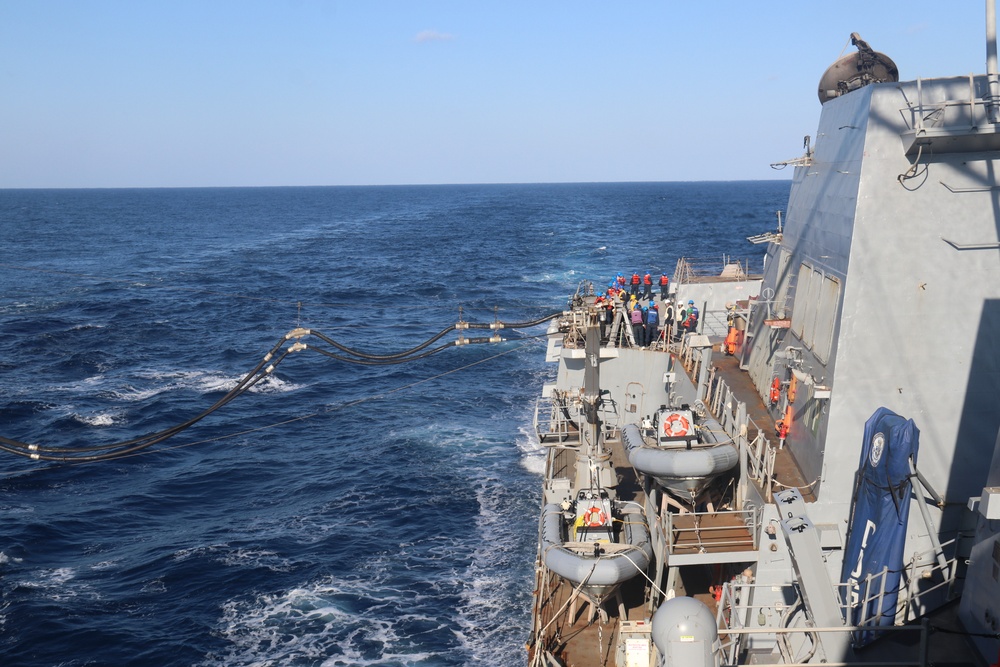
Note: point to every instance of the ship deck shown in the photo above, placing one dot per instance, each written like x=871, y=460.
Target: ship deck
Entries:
x=588, y=635
x=786, y=470
x=580, y=633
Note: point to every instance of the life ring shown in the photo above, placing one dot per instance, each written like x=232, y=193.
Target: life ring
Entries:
x=775, y=389
x=595, y=517
x=676, y=424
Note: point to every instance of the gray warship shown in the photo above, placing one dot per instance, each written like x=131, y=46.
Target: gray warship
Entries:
x=812, y=474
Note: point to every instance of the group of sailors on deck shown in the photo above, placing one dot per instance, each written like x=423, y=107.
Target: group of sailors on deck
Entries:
x=647, y=323
x=645, y=283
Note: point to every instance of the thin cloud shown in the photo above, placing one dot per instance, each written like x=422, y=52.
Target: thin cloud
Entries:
x=433, y=36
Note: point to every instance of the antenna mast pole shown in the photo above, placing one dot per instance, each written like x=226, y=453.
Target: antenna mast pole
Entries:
x=992, y=77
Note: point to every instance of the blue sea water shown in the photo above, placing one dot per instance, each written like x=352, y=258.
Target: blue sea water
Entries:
x=336, y=514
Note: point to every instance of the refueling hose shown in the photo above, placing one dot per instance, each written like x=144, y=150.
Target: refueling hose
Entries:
x=262, y=370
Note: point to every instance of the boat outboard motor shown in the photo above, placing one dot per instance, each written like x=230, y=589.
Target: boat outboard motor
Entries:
x=685, y=633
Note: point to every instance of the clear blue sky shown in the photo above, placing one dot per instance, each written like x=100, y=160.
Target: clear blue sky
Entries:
x=124, y=93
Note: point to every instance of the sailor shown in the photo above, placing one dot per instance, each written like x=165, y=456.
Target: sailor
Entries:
x=638, y=332
x=621, y=281
x=647, y=283
x=664, y=281
x=635, y=283
x=652, y=323
x=691, y=319
x=602, y=314
x=668, y=316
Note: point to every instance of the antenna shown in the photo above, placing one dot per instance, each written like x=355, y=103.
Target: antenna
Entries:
x=992, y=78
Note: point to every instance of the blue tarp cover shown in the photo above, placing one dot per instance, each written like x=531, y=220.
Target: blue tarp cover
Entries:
x=880, y=507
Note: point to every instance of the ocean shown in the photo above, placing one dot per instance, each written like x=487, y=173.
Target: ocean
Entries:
x=335, y=514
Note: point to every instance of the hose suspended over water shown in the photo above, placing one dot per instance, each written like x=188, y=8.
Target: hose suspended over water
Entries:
x=262, y=370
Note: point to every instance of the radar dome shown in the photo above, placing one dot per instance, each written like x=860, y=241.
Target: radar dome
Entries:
x=856, y=71
x=685, y=633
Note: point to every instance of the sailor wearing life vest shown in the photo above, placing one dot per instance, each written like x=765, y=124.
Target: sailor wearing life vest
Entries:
x=691, y=318
x=638, y=332
x=664, y=281
x=635, y=284
x=647, y=282
x=652, y=323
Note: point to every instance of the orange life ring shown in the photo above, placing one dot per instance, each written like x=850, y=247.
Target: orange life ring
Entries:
x=775, y=389
x=595, y=517
x=676, y=424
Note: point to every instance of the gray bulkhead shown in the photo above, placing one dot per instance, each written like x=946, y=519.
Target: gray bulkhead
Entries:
x=634, y=380
x=884, y=311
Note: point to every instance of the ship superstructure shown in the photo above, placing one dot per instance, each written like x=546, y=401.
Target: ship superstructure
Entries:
x=854, y=385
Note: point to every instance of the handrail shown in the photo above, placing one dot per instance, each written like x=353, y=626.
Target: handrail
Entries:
x=761, y=454
x=967, y=113
x=733, y=621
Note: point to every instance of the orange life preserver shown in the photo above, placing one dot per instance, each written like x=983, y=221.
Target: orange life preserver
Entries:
x=595, y=517
x=782, y=425
x=793, y=387
x=775, y=389
x=730, y=344
x=647, y=279
x=664, y=281
x=635, y=278
x=676, y=424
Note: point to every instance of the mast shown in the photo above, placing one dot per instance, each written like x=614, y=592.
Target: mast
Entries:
x=992, y=77
x=593, y=467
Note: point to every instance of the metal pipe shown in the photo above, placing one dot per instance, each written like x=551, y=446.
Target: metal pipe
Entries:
x=925, y=513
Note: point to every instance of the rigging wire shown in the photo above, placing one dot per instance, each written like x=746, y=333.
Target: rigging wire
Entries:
x=267, y=365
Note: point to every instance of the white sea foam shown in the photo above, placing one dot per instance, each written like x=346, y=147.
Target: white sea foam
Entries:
x=257, y=558
x=200, y=381
x=330, y=622
x=490, y=632
x=4, y=559
x=60, y=584
x=105, y=565
x=533, y=454
x=100, y=419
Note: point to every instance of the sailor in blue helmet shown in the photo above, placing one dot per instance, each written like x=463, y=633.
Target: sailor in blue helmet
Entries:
x=691, y=321
x=652, y=323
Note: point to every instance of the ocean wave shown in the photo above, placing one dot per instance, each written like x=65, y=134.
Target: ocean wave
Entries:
x=532, y=454
x=497, y=576
x=100, y=418
x=59, y=585
x=332, y=621
x=204, y=382
x=253, y=558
